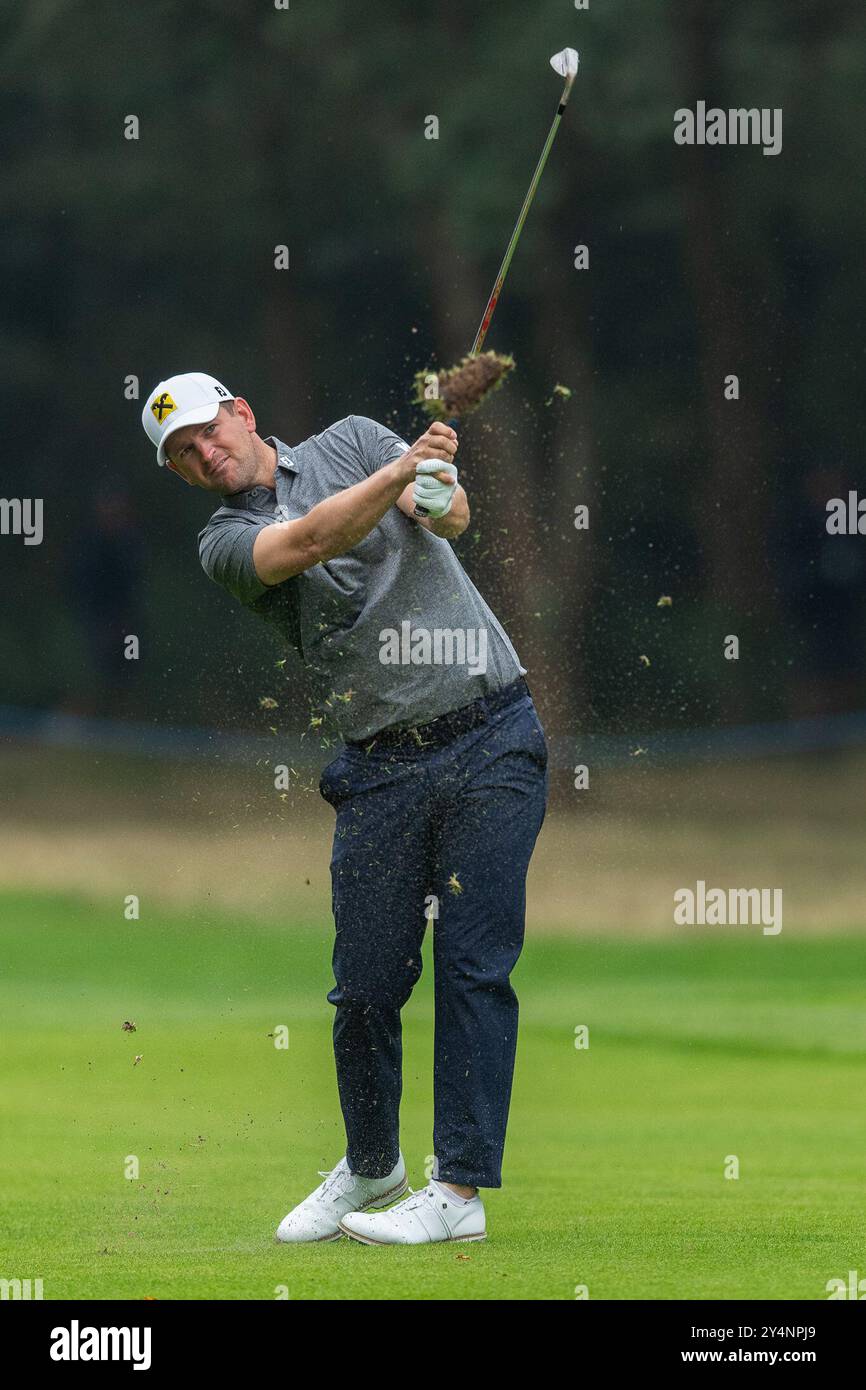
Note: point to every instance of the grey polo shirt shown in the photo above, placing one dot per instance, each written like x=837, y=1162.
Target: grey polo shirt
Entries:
x=394, y=631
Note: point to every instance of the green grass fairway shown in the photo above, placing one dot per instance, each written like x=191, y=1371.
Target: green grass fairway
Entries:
x=719, y=1042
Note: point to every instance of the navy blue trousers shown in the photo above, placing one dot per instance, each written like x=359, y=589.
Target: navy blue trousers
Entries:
x=441, y=833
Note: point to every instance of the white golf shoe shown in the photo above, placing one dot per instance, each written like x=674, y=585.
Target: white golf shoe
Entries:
x=342, y=1192
x=428, y=1215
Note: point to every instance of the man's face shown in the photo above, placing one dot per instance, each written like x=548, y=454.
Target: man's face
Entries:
x=219, y=456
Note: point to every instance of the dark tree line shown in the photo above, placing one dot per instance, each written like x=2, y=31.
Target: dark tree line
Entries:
x=305, y=127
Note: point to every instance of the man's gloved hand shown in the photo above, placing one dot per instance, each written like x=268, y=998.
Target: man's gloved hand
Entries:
x=431, y=494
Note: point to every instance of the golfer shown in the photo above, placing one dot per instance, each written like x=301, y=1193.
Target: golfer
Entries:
x=439, y=788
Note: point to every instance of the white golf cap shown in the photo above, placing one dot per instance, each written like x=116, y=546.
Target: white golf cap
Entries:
x=192, y=398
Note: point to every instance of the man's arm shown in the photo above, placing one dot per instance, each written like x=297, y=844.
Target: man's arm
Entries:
x=338, y=523
x=378, y=446
x=451, y=525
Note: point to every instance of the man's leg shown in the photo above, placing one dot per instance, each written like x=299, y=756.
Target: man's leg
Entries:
x=380, y=872
x=491, y=795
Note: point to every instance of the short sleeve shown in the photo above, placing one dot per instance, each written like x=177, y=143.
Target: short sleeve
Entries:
x=225, y=548
x=378, y=444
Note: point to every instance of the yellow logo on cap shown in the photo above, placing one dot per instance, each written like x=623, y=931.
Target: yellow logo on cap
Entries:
x=162, y=407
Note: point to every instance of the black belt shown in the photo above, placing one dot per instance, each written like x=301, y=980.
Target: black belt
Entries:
x=447, y=726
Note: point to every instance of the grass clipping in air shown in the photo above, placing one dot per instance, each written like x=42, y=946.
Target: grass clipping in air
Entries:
x=459, y=391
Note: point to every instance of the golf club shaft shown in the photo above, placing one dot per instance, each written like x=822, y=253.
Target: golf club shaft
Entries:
x=515, y=237
x=518, y=226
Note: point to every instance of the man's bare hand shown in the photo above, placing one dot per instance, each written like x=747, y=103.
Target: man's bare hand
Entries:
x=437, y=442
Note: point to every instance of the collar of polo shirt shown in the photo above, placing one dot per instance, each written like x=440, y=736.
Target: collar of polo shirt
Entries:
x=285, y=457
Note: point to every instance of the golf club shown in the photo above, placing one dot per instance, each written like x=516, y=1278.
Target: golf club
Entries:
x=565, y=63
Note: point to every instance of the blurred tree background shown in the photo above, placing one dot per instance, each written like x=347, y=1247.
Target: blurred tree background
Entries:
x=305, y=127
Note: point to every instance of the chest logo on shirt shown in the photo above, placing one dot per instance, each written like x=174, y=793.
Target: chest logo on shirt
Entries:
x=162, y=407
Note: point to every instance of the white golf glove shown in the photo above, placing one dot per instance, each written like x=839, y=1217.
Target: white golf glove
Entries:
x=435, y=497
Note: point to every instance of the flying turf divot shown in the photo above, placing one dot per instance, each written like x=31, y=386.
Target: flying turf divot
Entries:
x=462, y=389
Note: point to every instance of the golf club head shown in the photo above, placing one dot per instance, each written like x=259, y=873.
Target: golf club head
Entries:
x=566, y=63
